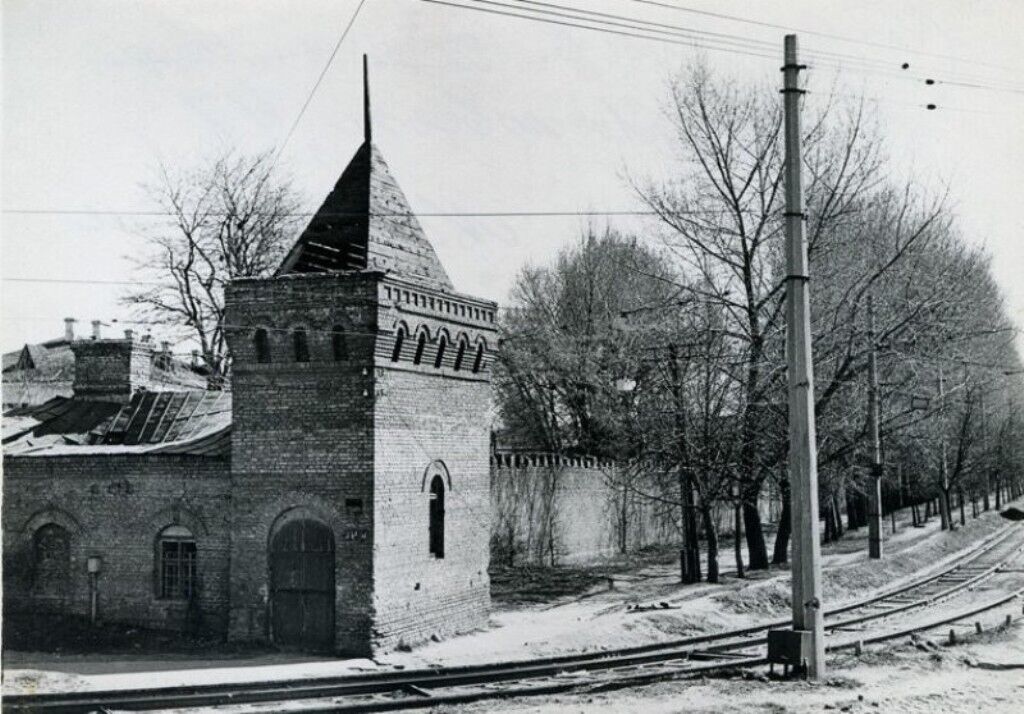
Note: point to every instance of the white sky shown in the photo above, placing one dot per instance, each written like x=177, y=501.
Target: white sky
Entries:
x=473, y=113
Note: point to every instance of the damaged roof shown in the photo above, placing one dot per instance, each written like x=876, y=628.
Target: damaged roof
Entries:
x=194, y=422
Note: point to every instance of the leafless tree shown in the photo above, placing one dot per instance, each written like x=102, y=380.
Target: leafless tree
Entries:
x=232, y=218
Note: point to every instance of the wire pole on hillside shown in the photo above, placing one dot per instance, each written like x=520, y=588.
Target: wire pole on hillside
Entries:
x=875, y=493
x=803, y=456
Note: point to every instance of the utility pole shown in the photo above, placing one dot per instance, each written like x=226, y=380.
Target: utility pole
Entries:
x=987, y=460
x=803, y=450
x=875, y=494
x=944, y=514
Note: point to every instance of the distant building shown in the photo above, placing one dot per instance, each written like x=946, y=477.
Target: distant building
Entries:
x=335, y=499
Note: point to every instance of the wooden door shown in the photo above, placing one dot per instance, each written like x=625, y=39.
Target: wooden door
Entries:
x=302, y=586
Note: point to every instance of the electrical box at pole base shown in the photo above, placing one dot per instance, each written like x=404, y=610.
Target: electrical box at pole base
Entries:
x=790, y=648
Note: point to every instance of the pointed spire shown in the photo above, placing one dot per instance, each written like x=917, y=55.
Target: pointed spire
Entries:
x=367, y=131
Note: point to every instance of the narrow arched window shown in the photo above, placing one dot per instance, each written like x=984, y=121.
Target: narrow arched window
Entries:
x=460, y=355
x=338, y=346
x=176, y=550
x=478, y=362
x=301, y=345
x=442, y=343
x=399, y=339
x=51, y=550
x=437, y=517
x=421, y=344
x=262, y=345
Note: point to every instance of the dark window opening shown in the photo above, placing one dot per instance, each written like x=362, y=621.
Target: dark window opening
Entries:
x=51, y=546
x=399, y=339
x=421, y=344
x=301, y=344
x=460, y=355
x=437, y=517
x=177, y=551
x=479, y=361
x=338, y=344
x=262, y=344
x=354, y=507
x=442, y=343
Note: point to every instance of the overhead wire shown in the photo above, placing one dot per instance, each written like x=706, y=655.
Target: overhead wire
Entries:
x=319, y=79
x=681, y=36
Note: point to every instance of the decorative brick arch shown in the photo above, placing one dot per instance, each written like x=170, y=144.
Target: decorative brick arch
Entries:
x=175, y=515
x=51, y=514
x=437, y=467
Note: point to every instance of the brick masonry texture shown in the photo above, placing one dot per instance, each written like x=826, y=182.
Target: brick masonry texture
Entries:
x=115, y=507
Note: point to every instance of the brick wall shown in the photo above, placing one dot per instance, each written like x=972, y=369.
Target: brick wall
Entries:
x=549, y=509
x=302, y=441
x=114, y=507
x=111, y=369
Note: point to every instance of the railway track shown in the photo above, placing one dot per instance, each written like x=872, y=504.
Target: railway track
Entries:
x=691, y=656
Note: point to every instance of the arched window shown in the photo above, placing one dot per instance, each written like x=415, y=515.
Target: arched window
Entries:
x=399, y=339
x=421, y=344
x=442, y=343
x=478, y=362
x=51, y=550
x=262, y=344
x=301, y=344
x=338, y=345
x=176, y=551
x=460, y=355
x=437, y=517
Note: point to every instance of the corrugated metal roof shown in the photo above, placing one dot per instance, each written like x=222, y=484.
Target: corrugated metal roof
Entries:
x=192, y=422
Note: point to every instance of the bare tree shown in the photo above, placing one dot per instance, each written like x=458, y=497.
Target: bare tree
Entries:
x=232, y=218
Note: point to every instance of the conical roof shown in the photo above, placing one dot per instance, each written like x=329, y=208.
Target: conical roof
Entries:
x=365, y=223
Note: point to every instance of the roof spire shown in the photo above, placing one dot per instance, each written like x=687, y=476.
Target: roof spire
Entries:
x=367, y=132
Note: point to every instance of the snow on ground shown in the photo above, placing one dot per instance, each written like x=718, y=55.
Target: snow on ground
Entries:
x=598, y=619
x=986, y=674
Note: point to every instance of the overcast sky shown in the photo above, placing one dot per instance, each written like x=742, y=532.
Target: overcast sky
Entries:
x=473, y=112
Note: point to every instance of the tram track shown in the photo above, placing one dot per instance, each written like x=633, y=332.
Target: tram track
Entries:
x=691, y=656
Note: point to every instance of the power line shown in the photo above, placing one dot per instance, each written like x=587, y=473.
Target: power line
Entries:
x=319, y=79
x=374, y=214
x=688, y=37
x=815, y=33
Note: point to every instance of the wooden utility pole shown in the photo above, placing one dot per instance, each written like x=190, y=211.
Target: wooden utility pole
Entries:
x=803, y=451
x=875, y=493
x=944, y=515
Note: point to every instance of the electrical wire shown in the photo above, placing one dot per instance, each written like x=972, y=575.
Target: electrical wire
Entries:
x=319, y=79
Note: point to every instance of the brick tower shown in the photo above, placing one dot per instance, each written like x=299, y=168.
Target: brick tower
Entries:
x=360, y=437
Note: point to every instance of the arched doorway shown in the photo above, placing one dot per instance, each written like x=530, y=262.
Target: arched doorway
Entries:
x=51, y=551
x=302, y=585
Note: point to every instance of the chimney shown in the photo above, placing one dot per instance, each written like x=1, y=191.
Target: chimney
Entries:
x=96, y=329
x=69, y=329
x=111, y=370
x=195, y=358
x=129, y=335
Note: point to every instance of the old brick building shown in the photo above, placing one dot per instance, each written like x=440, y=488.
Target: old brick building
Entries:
x=336, y=499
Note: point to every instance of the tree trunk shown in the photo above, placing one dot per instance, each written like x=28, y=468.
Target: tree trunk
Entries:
x=944, y=511
x=737, y=538
x=711, y=533
x=757, y=550
x=838, y=523
x=780, y=552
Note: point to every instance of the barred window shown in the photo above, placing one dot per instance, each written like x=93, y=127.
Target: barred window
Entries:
x=442, y=343
x=399, y=339
x=176, y=548
x=460, y=355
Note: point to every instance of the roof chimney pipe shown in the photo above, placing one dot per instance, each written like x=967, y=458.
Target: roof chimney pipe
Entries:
x=96, y=329
x=69, y=329
x=129, y=334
